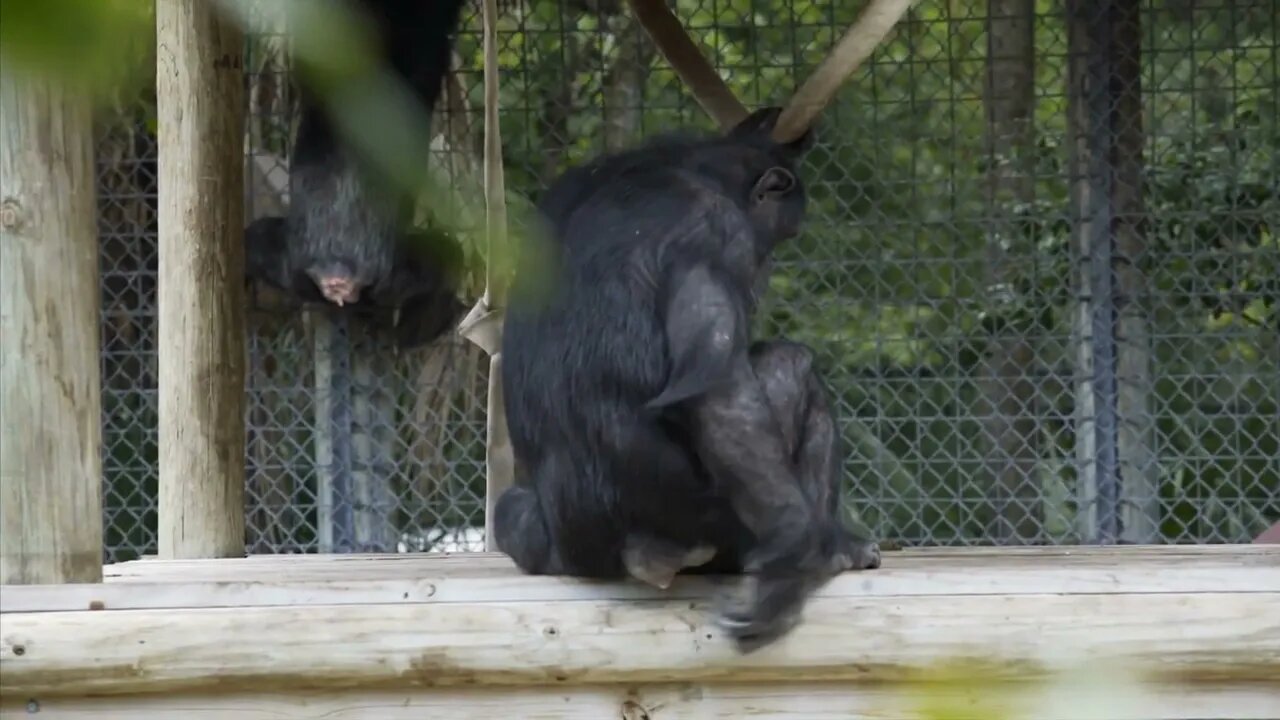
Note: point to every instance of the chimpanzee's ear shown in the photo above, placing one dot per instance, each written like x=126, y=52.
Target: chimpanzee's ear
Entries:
x=775, y=184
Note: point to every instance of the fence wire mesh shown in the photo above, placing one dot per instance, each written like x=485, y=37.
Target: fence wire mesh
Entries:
x=1041, y=273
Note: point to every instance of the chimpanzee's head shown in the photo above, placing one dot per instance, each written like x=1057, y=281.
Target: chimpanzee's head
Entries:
x=776, y=199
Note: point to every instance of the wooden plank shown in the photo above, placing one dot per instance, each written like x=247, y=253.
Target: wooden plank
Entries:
x=1113, y=552
x=427, y=580
x=485, y=577
x=50, y=464
x=1170, y=637
x=475, y=564
x=1069, y=553
x=311, y=567
x=201, y=315
x=799, y=701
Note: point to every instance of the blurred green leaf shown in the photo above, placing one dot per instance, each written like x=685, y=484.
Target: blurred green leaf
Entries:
x=94, y=43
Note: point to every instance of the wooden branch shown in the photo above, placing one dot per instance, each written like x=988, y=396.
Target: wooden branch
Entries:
x=706, y=85
x=200, y=106
x=856, y=46
x=1016, y=625
x=50, y=394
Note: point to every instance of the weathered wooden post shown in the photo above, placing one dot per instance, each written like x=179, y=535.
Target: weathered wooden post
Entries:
x=50, y=394
x=200, y=111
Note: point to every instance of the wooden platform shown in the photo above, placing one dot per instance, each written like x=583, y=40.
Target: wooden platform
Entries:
x=413, y=636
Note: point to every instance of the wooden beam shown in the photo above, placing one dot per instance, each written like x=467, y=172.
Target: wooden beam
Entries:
x=1168, y=616
x=200, y=115
x=276, y=580
x=1220, y=636
x=728, y=701
x=50, y=394
x=682, y=53
x=856, y=45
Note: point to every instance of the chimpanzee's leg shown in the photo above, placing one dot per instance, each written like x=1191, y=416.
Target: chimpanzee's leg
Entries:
x=769, y=441
x=673, y=518
x=656, y=561
x=630, y=501
x=799, y=400
x=520, y=530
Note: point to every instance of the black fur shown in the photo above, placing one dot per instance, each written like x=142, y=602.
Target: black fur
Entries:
x=645, y=425
x=343, y=222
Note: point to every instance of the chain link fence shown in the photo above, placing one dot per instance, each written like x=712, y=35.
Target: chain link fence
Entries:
x=1041, y=272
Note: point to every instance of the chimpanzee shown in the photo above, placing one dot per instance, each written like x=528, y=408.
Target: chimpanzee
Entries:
x=650, y=435
x=347, y=236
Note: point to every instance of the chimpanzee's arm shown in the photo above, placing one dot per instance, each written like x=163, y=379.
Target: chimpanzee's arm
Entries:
x=707, y=331
x=423, y=286
x=425, y=263
x=427, y=316
x=265, y=255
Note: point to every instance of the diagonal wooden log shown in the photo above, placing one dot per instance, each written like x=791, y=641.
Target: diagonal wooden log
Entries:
x=715, y=97
x=706, y=85
x=850, y=52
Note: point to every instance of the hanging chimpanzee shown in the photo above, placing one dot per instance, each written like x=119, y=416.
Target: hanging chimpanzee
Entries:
x=347, y=237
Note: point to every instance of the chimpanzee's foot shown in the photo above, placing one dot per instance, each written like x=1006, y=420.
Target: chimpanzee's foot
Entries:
x=656, y=562
x=850, y=553
x=866, y=556
x=762, y=609
x=766, y=607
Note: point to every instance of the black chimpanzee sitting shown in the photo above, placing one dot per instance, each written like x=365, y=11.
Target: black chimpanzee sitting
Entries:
x=649, y=434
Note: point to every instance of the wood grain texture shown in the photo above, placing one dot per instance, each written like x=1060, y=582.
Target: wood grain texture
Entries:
x=284, y=580
x=50, y=406
x=265, y=623
x=1174, y=638
x=468, y=636
x=200, y=115
x=730, y=701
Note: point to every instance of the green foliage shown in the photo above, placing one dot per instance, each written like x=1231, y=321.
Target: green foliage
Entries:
x=92, y=43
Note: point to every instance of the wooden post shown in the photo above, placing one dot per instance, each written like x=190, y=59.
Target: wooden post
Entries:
x=200, y=112
x=50, y=393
